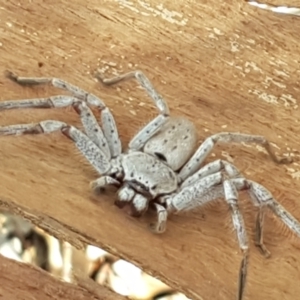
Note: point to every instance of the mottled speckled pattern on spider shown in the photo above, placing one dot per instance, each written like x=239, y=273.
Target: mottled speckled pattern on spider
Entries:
x=162, y=167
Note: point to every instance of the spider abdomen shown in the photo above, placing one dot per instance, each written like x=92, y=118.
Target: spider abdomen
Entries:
x=174, y=143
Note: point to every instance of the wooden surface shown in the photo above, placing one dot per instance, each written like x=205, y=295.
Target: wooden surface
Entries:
x=290, y=3
x=22, y=281
x=223, y=64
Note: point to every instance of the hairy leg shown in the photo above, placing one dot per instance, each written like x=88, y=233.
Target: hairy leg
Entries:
x=156, y=124
x=87, y=147
x=80, y=99
x=226, y=137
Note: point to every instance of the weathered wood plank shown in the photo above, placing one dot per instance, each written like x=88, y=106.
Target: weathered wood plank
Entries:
x=225, y=65
x=23, y=281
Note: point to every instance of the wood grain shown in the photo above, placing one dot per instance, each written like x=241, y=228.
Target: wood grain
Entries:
x=223, y=64
x=22, y=281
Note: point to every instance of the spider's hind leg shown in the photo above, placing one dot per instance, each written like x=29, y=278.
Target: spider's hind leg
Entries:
x=148, y=131
x=227, y=137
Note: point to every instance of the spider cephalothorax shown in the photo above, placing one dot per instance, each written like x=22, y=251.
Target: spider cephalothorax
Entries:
x=161, y=167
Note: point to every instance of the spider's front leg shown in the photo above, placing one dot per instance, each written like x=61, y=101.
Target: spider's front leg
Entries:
x=106, y=138
x=139, y=140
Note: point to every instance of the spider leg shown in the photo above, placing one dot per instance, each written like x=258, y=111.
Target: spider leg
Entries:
x=259, y=232
x=145, y=83
x=60, y=84
x=211, y=168
x=80, y=98
x=139, y=140
x=102, y=182
x=148, y=131
x=262, y=198
x=87, y=147
x=106, y=139
x=231, y=197
x=206, y=190
x=226, y=137
x=217, y=185
x=162, y=215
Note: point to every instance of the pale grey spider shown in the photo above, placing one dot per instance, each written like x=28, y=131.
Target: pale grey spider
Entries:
x=161, y=168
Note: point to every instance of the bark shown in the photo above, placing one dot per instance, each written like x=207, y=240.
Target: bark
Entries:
x=224, y=64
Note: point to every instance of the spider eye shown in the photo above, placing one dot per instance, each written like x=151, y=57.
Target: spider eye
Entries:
x=160, y=156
